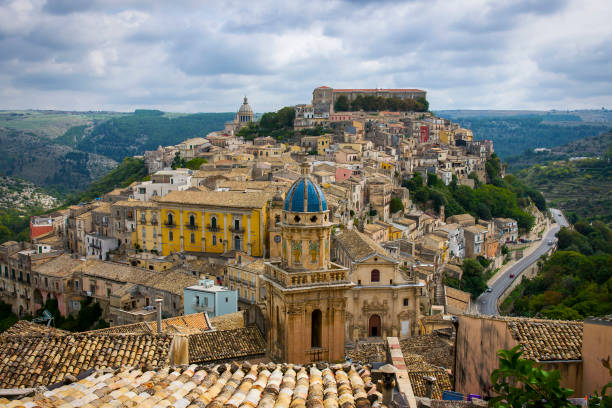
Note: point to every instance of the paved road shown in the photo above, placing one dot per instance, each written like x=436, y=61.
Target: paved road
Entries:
x=487, y=302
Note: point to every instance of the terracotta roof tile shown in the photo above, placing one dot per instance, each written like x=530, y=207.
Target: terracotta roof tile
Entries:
x=62, y=266
x=268, y=385
x=546, y=340
x=28, y=361
x=225, y=345
x=234, y=199
x=228, y=321
x=419, y=384
x=358, y=245
x=26, y=328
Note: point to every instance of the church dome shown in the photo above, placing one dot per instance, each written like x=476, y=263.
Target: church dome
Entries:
x=305, y=195
x=245, y=108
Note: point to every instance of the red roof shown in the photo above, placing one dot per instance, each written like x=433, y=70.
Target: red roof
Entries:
x=378, y=90
x=324, y=87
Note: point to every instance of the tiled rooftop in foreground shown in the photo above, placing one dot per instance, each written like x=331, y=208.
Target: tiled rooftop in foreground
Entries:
x=225, y=385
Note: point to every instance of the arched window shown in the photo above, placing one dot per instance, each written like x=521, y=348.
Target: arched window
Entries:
x=374, y=326
x=213, y=222
x=170, y=219
x=237, y=242
x=315, y=328
x=192, y=220
x=375, y=275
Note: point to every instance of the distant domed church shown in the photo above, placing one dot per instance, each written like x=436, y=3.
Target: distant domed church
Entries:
x=243, y=117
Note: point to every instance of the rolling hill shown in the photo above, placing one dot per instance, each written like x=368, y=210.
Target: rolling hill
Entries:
x=582, y=186
x=65, y=151
x=520, y=131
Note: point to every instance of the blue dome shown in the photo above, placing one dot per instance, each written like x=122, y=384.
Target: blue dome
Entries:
x=305, y=196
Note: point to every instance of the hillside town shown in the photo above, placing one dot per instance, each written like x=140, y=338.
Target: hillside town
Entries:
x=282, y=273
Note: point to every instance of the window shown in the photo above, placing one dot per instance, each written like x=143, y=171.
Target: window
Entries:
x=226, y=300
x=237, y=242
x=154, y=233
x=197, y=301
x=205, y=301
x=192, y=220
x=213, y=222
x=144, y=233
x=192, y=238
x=237, y=225
x=375, y=276
x=170, y=236
x=143, y=218
x=315, y=328
x=405, y=301
x=108, y=292
x=170, y=219
x=214, y=239
x=76, y=285
x=142, y=190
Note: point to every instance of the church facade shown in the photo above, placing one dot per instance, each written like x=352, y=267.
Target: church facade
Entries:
x=306, y=293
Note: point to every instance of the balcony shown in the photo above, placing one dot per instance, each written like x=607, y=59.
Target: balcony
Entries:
x=153, y=221
x=238, y=230
x=212, y=228
x=193, y=227
x=170, y=224
x=336, y=276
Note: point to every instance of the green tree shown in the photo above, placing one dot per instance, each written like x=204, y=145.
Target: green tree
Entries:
x=396, y=205
x=521, y=383
x=472, y=279
x=195, y=163
x=341, y=104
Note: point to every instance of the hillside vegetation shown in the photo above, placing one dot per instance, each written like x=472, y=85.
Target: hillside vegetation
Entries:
x=575, y=282
x=132, y=134
x=48, y=164
x=502, y=198
x=594, y=146
x=582, y=188
x=51, y=124
x=520, y=133
x=127, y=172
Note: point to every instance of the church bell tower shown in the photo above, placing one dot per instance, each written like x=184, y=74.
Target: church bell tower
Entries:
x=305, y=291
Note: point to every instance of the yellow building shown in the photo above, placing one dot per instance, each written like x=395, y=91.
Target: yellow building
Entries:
x=148, y=227
x=447, y=137
x=214, y=221
x=385, y=165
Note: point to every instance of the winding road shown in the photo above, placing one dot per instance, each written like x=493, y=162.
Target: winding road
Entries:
x=487, y=302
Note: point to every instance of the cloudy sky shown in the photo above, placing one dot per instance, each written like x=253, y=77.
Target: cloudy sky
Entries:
x=203, y=56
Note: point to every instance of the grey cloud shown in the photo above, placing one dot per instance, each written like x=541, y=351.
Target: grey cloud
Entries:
x=197, y=55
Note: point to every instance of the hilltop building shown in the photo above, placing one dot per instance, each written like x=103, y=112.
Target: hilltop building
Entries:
x=323, y=97
x=243, y=117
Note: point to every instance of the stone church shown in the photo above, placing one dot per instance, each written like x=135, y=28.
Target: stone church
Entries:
x=313, y=305
x=243, y=117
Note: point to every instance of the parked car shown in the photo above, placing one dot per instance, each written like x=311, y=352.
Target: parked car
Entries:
x=511, y=275
x=551, y=242
x=489, y=290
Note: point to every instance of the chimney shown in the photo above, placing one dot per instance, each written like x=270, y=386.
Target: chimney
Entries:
x=159, y=312
x=429, y=382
